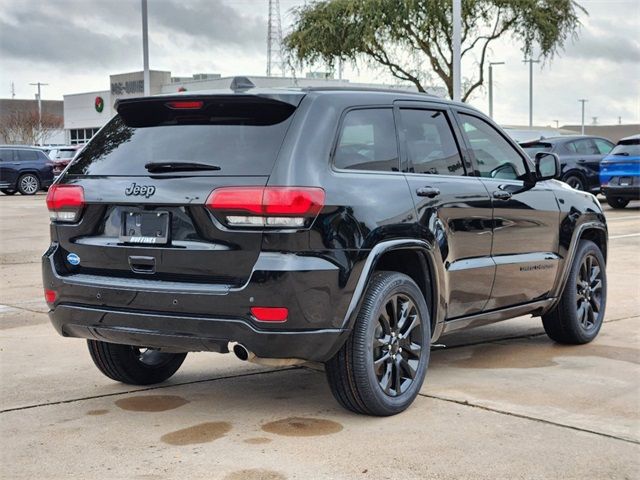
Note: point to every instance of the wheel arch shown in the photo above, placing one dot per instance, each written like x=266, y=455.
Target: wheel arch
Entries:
x=414, y=258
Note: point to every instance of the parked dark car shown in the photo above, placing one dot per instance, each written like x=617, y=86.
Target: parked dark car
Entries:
x=24, y=169
x=580, y=158
x=620, y=173
x=343, y=226
x=62, y=156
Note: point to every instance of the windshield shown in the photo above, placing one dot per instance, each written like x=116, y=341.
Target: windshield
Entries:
x=239, y=139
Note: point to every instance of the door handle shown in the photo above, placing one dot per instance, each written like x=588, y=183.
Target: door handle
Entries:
x=430, y=192
x=502, y=195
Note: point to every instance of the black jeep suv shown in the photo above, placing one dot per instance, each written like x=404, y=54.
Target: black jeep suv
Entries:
x=349, y=227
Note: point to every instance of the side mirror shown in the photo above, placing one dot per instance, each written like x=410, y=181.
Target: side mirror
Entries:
x=547, y=166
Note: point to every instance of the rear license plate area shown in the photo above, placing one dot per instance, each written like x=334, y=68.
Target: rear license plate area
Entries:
x=626, y=181
x=145, y=228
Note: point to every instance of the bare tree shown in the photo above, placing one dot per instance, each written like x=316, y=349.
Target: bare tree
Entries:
x=24, y=127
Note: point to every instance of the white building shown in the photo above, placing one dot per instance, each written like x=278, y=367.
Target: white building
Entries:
x=86, y=113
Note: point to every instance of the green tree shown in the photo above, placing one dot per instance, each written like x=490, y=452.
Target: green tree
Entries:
x=398, y=34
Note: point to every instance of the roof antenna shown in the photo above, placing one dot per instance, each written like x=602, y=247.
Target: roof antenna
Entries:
x=239, y=84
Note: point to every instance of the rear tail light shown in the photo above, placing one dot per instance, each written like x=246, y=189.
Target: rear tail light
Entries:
x=270, y=314
x=259, y=207
x=65, y=202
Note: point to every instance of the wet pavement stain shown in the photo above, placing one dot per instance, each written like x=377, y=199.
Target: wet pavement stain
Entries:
x=302, y=427
x=539, y=355
x=98, y=412
x=202, y=433
x=151, y=403
x=255, y=474
x=257, y=440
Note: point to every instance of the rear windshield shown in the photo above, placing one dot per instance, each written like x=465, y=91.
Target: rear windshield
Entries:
x=533, y=148
x=630, y=148
x=239, y=137
x=64, y=154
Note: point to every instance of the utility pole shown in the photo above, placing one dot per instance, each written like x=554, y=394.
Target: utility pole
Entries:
x=145, y=50
x=13, y=91
x=619, y=120
x=583, y=101
x=491, y=64
x=531, y=62
x=457, y=25
x=557, y=124
x=39, y=97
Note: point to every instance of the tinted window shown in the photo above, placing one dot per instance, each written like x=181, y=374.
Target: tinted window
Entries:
x=368, y=141
x=627, y=149
x=533, y=148
x=431, y=146
x=6, y=155
x=495, y=157
x=585, y=146
x=27, y=155
x=240, y=136
x=603, y=146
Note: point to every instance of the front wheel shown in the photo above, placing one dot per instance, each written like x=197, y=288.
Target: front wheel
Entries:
x=28, y=184
x=578, y=316
x=382, y=365
x=134, y=365
x=617, y=202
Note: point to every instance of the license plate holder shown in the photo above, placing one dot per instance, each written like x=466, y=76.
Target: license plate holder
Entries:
x=625, y=181
x=145, y=228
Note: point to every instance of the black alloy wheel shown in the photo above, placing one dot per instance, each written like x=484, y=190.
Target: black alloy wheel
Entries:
x=397, y=345
x=589, y=292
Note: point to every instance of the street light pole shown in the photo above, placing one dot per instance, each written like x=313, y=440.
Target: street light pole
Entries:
x=456, y=47
x=531, y=62
x=491, y=64
x=145, y=49
x=39, y=107
x=582, y=101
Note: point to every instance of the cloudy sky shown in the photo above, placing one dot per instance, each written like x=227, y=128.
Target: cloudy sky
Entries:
x=73, y=45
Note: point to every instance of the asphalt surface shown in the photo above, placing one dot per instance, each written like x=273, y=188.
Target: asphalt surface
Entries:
x=499, y=402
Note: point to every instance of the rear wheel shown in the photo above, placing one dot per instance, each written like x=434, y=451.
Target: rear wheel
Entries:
x=134, y=365
x=578, y=316
x=7, y=191
x=617, y=202
x=28, y=184
x=381, y=367
x=575, y=181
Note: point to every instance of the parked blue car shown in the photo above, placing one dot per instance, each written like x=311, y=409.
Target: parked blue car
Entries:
x=620, y=173
x=24, y=169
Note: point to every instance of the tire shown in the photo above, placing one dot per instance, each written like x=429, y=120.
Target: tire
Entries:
x=578, y=316
x=133, y=365
x=574, y=181
x=28, y=184
x=7, y=191
x=617, y=202
x=354, y=380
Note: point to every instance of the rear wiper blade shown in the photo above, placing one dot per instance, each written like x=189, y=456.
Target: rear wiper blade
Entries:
x=160, y=167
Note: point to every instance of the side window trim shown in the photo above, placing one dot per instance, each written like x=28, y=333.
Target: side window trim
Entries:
x=476, y=171
x=338, y=135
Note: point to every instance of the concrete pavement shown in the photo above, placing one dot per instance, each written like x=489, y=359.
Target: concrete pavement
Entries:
x=501, y=401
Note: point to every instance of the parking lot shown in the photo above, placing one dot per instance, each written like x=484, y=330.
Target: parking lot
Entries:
x=500, y=401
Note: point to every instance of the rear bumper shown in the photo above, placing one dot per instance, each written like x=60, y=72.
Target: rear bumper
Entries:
x=626, y=192
x=196, y=317
x=189, y=333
